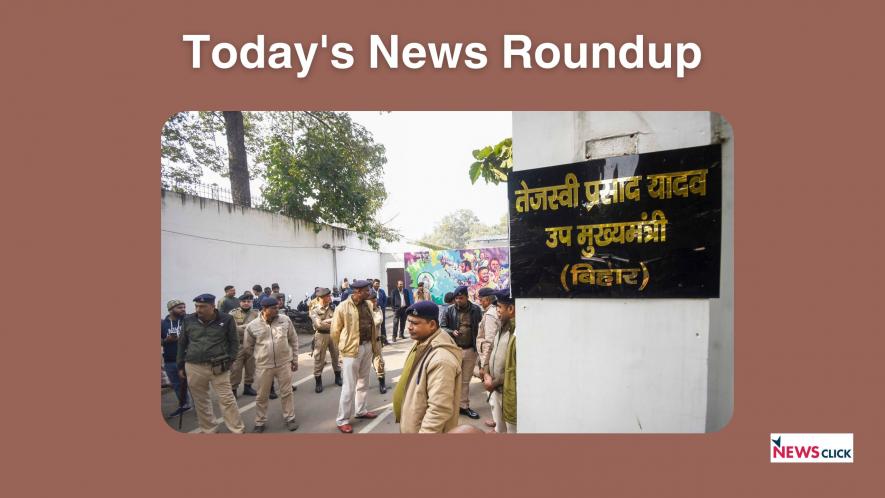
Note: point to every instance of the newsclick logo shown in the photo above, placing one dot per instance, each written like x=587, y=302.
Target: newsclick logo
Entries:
x=812, y=448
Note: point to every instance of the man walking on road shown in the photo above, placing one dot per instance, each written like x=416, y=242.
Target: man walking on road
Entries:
x=170, y=330
x=461, y=321
x=206, y=348
x=488, y=330
x=242, y=316
x=426, y=397
x=321, y=316
x=274, y=343
x=356, y=336
x=401, y=299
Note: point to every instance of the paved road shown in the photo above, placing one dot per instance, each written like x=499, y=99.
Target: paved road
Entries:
x=316, y=412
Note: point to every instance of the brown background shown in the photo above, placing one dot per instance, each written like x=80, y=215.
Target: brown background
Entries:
x=87, y=86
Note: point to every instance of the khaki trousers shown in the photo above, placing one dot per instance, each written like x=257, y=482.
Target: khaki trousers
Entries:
x=236, y=370
x=265, y=377
x=378, y=363
x=356, y=379
x=321, y=343
x=468, y=360
x=497, y=402
x=199, y=377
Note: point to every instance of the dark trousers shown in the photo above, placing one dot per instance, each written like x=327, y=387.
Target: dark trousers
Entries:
x=399, y=321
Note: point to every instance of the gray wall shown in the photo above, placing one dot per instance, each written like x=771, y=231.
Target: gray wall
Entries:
x=207, y=244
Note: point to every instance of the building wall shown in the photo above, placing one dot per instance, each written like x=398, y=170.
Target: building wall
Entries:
x=641, y=365
x=207, y=244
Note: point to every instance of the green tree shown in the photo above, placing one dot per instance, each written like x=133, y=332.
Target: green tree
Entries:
x=324, y=168
x=493, y=162
x=457, y=228
x=191, y=141
x=320, y=167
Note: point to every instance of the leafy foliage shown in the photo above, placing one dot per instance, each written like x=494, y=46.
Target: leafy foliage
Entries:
x=191, y=141
x=493, y=162
x=320, y=167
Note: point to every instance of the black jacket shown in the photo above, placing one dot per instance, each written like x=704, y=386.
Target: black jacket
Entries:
x=199, y=342
x=450, y=324
x=394, y=300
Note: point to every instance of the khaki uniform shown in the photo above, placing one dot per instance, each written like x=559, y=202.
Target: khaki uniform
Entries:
x=199, y=378
x=497, y=364
x=242, y=318
x=468, y=359
x=508, y=395
x=430, y=403
x=485, y=339
x=377, y=359
x=322, y=340
x=357, y=358
x=200, y=343
x=274, y=346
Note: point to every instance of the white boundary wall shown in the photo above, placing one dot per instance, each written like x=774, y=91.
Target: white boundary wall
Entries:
x=641, y=365
x=206, y=244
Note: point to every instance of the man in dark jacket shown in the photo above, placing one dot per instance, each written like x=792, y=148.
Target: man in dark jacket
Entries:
x=461, y=321
x=400, y=299
x=229, y=300
x=170, y=330
x=206, y=348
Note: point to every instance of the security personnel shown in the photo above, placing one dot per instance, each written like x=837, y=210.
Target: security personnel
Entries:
x=272, y=340
x=488, y=330
x=354, y=332
x=426, y=397
x=206, y=348
x=321, y=316
x=378, y=359
x=242, y=316
x=228, y=301
x=501, y=383
x=461, y=321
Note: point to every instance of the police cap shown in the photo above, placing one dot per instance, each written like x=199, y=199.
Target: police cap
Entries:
x=427, y=310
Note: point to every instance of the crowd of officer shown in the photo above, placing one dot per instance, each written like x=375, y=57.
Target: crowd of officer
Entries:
x=248, y=339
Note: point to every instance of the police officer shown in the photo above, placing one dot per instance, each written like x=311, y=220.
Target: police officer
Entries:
x=461, y=321
x=228, y=301
x=242, y=316
x=500, y=381
x=488, y=330
x=377, y=358
x=321, y=317
x=272, y=340
x=426, y=396
x=206, y=348
x=354, y=332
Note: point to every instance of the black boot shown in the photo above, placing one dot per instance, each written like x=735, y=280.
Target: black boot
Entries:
x=273, y=393
x=248, y=391
x=338, y=381
x=319, y=381
x=381, y=386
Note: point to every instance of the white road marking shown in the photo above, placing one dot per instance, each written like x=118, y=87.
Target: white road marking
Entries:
x=381, y=416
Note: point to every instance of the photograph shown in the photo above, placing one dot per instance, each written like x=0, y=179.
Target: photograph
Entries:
x=361, y=272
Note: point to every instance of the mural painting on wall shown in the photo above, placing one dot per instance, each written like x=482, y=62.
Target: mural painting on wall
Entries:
x=443, y=271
